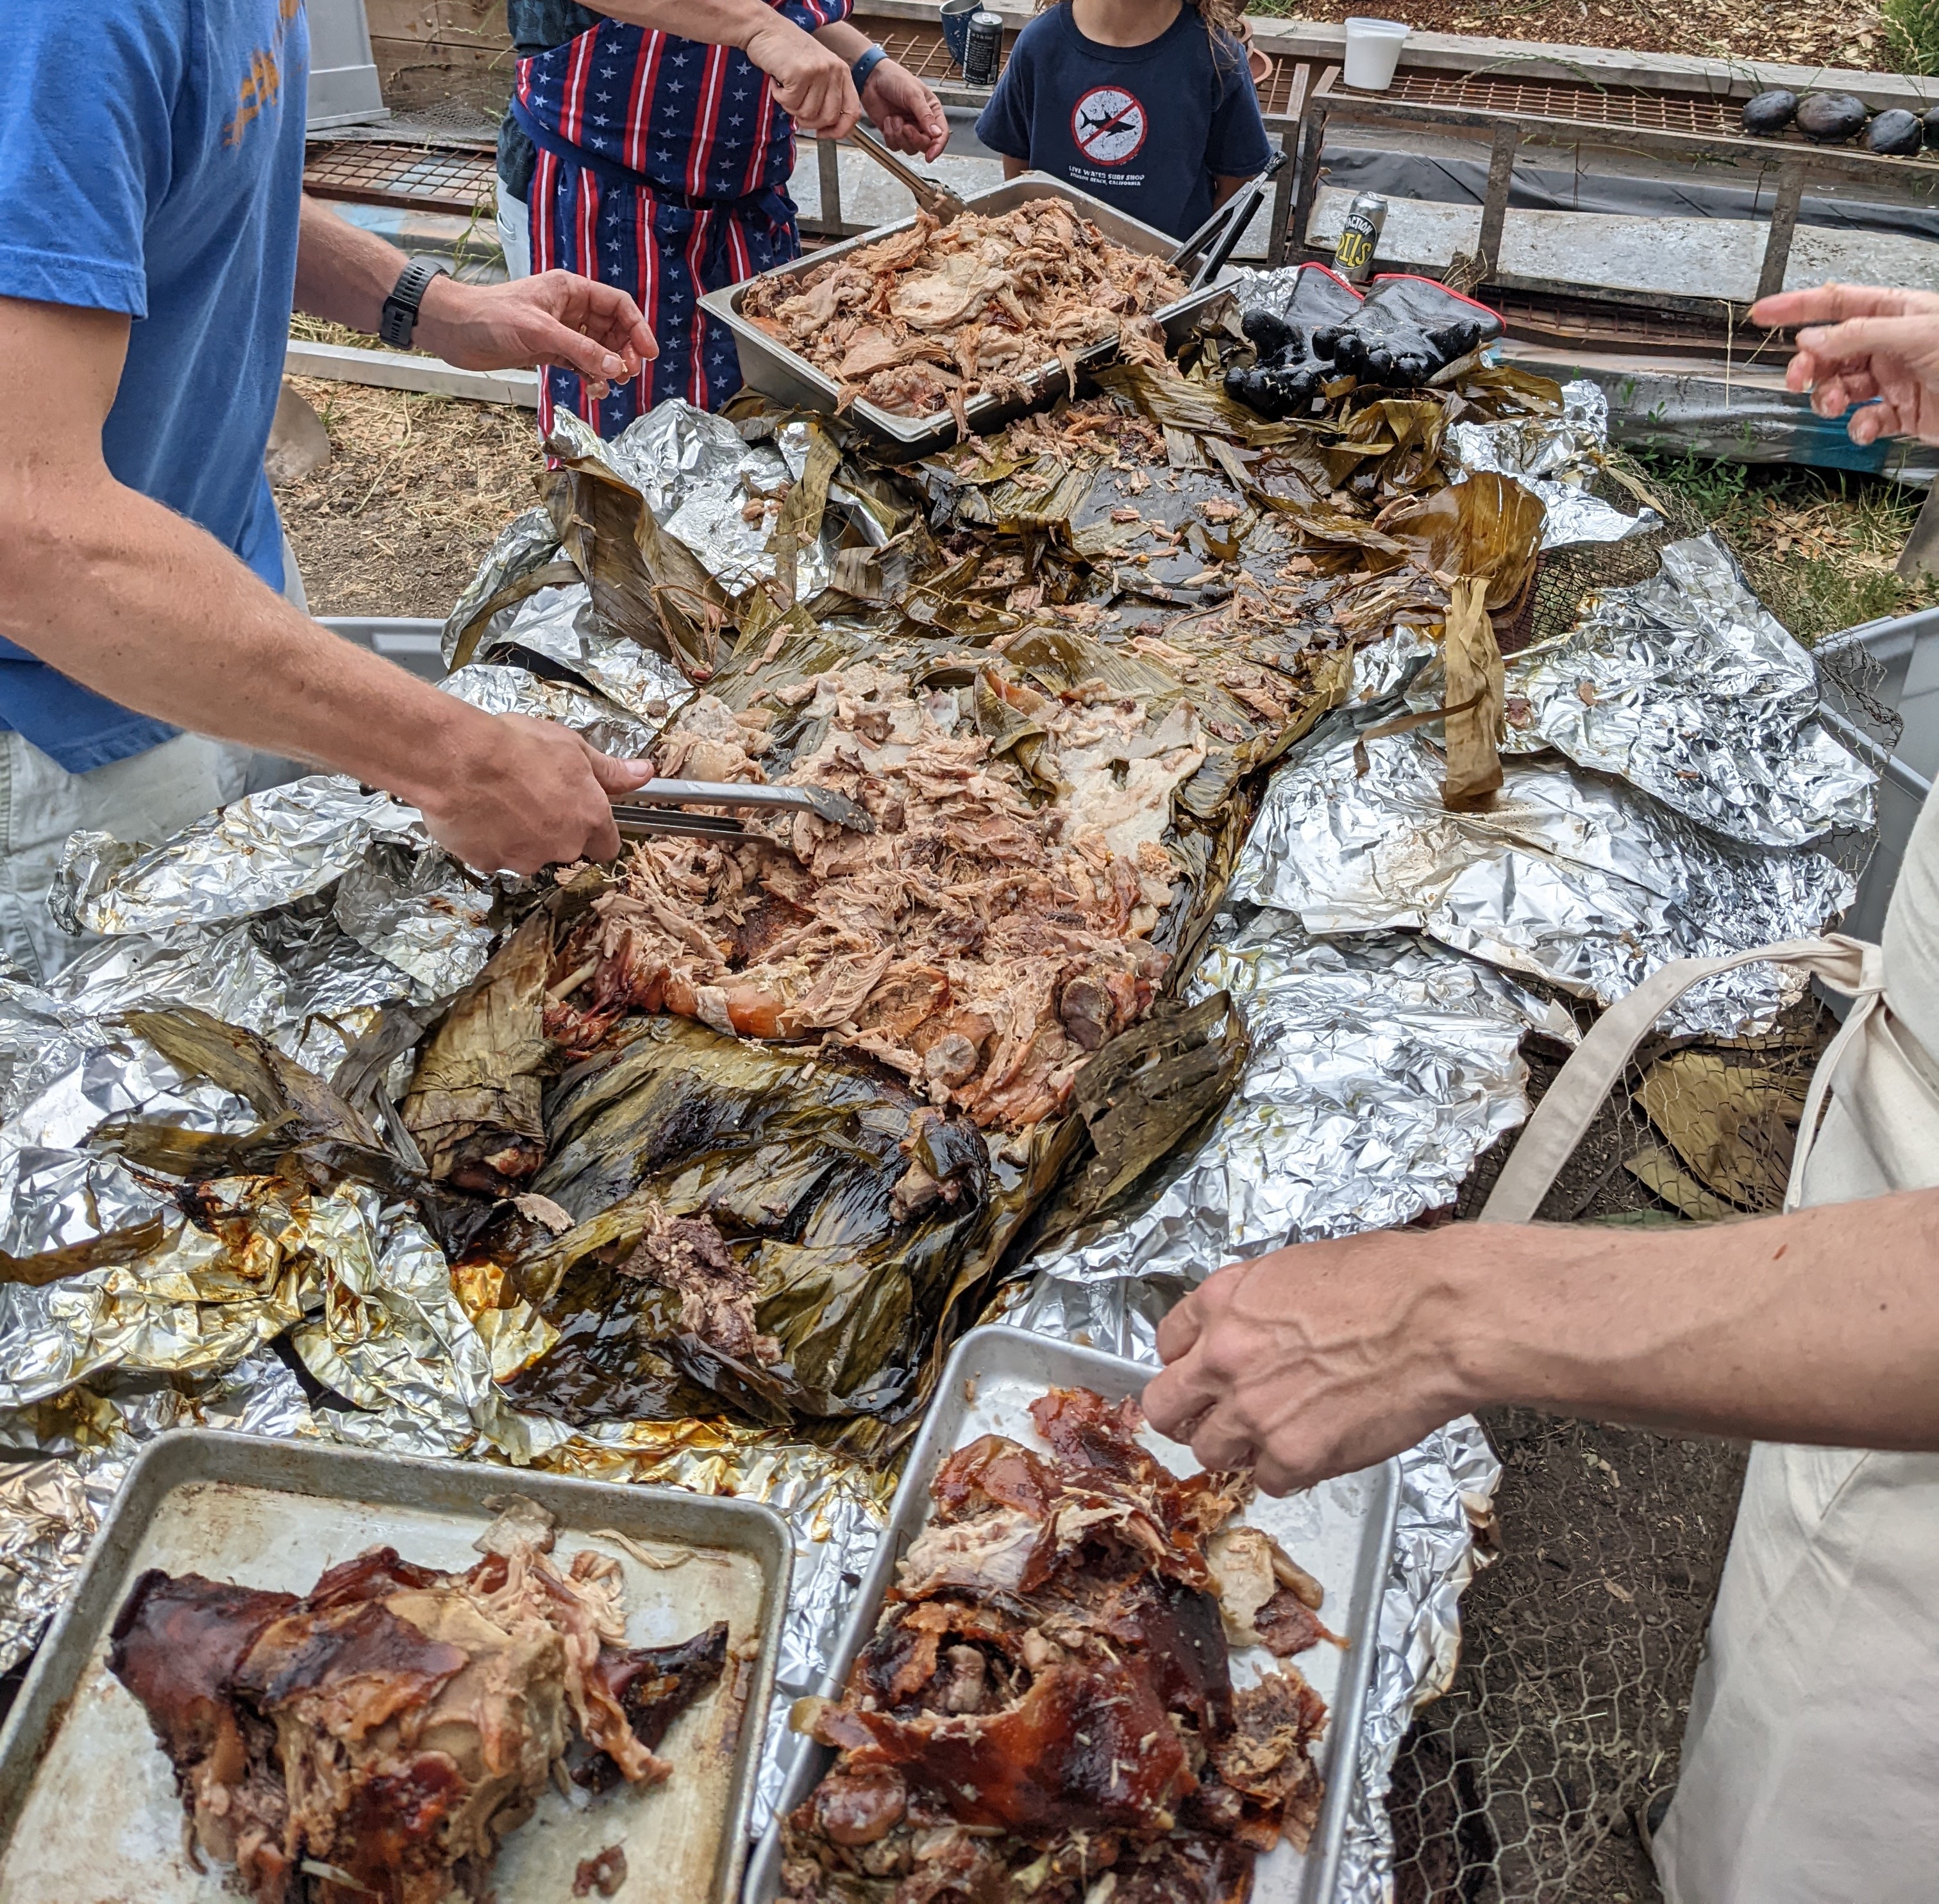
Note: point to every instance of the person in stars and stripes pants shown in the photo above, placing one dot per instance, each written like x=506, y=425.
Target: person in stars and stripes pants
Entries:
x=662, y=168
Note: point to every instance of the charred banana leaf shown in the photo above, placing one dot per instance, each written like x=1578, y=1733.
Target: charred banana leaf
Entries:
x=305, y=1123
x=473, y=1107
x=844, y=1208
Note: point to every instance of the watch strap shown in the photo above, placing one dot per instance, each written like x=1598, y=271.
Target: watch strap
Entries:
x=400, y=318
x=865, y=66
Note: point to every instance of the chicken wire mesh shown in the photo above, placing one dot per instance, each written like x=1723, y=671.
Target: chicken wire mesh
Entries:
x=1525, y=1781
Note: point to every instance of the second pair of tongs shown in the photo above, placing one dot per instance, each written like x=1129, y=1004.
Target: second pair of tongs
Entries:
x=935, y=198
x=1219, y=236
x=659, y=807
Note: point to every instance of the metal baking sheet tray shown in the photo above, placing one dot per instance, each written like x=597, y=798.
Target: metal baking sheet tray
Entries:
x=88, y=1809
x=770, y=366
x=1341, y=1532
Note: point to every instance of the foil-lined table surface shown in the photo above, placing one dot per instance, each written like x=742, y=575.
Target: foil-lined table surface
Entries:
x=1388, y=957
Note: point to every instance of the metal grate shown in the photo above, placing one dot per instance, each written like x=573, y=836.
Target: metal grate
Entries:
x=414, y=177
x=925, y=54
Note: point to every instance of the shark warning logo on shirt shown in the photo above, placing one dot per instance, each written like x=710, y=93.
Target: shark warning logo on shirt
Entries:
x=1108, y=126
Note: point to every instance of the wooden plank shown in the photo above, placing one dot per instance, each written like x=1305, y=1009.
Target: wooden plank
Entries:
x=1312, y=137
x=471, y=23
x=429, y=376
x=1920, y=556
x=1783, y=225
x=1495, y=205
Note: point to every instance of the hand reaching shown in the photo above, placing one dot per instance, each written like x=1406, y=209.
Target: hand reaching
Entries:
x=558, y=318
x=1861, y=344
x=534, y=794
x=908, y=115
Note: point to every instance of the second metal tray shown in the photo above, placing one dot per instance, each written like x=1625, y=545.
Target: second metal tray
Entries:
x=1342, y=1532
x=88, y=1808
x=770, y=366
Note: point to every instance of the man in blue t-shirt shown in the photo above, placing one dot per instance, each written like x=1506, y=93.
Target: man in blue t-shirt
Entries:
x=1144, y=104
x=153, y=234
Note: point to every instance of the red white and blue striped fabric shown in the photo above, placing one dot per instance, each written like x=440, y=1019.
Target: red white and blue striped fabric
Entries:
x=663, y=169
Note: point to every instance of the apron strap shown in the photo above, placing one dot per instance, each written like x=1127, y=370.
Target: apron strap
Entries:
x=1849, y=966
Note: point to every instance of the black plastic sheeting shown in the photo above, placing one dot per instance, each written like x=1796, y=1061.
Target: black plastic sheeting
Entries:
x=1544, y=188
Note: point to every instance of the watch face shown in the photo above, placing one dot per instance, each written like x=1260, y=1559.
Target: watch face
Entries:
x=1108, y=125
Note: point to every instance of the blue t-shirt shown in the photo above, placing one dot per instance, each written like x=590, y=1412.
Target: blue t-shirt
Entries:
x=151, y=156
x=1145, y=128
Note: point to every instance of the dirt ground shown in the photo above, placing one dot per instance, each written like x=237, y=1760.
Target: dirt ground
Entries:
x=1779, y=31
x=396, y=522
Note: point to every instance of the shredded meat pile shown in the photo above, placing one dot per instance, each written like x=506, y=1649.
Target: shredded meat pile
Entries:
x=689, y=1256
x=938, y=314
x=377, y=1737
x=1048, y=1698
x=983, y=947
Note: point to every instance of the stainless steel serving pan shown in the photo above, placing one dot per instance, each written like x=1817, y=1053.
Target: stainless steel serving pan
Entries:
x=770, y=366
x=1342, y=1532
x=88, y=1808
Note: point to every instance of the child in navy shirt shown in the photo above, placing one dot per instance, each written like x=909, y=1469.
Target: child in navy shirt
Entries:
x=1146, y=104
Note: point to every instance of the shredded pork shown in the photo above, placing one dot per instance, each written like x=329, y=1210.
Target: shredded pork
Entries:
x=981, y=946
x=377, y=1737
x=1048, y=1697
x=936, y=315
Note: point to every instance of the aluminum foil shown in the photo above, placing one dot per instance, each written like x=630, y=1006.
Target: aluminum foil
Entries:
x=1570, y=877
x=1379, y=1069
x=699, y=476
x=1447, y=1485
x=560, y=625
x=50, y=1507
x=526, y=544
x=606, y=724
x=1687, y=687
x=1557, y=458
x=285, y=844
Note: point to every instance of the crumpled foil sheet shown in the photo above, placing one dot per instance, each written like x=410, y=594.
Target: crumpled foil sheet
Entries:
x=50, y=1506
x=560, y=625
x=1380, y=1068
x=1448, y=1484
x=1557, y=458
x=1688, y=687
x=1570, y=877
x=697, y=473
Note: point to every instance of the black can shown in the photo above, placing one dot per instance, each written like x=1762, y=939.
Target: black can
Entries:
x=1354, y=256
x=983, y=50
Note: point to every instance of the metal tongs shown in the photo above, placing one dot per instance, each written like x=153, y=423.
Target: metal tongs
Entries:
x=657, y=806
x=1221, y=232
x=935, y=198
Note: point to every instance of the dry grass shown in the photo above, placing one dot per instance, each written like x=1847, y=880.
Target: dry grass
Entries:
x=1789, y=31
x=396, y=522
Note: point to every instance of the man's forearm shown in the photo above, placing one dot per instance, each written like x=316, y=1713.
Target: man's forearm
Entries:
x=1821, y=1326
x=121, y=594
x=343, y=272
x=715, y=23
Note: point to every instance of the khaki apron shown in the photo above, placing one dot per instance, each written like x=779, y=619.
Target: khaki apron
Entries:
x=1811, y=1759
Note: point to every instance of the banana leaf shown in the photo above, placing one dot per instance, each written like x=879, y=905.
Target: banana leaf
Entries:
x=796, y=1156
x=1489, y=527
x=473, y=1107
x=305, y=1125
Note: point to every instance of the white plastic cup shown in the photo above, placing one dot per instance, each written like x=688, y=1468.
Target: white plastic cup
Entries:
x=1373, y=51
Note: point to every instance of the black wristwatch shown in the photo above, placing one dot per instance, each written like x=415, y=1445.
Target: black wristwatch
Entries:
x=400, y=309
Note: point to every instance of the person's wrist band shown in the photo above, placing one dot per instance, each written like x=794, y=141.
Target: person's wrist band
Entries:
x=399, y=318
x=865, y=66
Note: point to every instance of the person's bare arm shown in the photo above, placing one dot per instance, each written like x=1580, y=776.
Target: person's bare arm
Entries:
x=1222, y=189
x=132, y=600
x=1015, y=168
x=810, y=81
x=345, y=273
x=908, y=115
x=1821, y=1326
